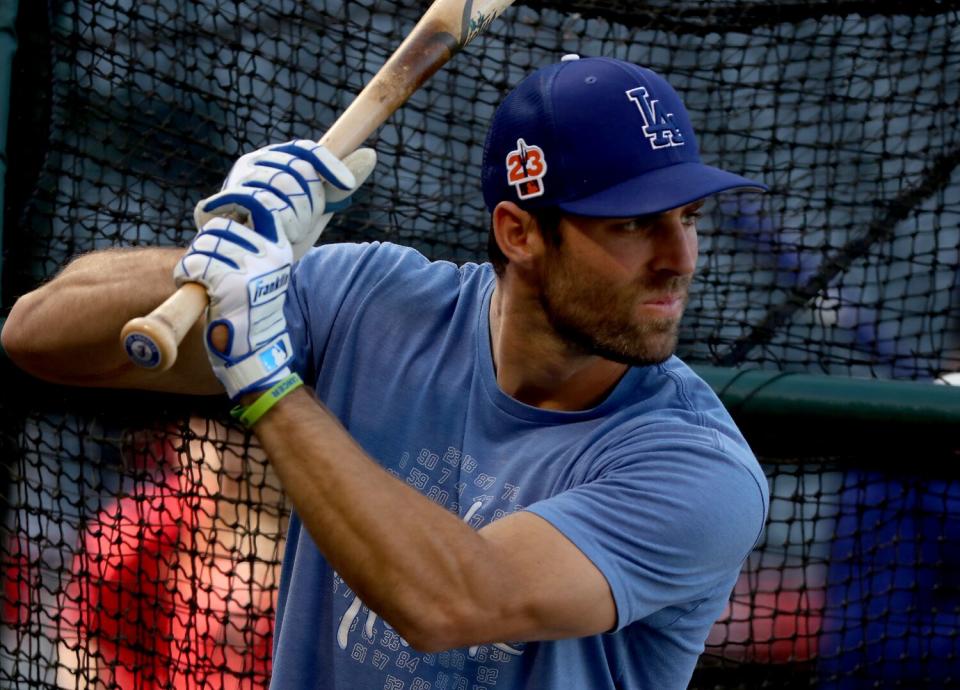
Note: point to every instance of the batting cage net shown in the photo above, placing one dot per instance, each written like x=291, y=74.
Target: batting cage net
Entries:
x=143, y=534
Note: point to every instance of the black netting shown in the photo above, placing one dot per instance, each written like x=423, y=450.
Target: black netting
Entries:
x=856, y=585
x=142, y=550
x=125, y=114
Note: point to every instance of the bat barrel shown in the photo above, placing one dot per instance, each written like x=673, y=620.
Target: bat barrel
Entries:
x=446, y=27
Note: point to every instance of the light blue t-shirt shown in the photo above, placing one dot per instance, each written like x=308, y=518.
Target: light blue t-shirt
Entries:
x=655, y=485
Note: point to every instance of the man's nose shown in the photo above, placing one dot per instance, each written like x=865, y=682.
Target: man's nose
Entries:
x=675, y=248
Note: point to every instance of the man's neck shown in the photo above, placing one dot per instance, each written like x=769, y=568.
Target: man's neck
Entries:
x=535, y=366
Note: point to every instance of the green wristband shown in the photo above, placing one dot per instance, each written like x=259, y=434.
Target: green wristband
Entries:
x=249, y=416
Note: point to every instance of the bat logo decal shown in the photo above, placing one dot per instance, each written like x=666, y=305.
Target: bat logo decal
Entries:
x=142, y=350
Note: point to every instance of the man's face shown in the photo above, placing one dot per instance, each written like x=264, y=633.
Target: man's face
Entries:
x=617, y=288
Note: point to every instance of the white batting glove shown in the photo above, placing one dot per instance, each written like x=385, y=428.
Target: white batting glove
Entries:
x=246, y=274
x=292, y=188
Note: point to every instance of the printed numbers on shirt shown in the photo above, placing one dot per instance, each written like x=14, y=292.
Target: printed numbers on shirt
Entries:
x=452, y=457
x=418, y=479
x=391, y=640
x=485, y=481
x=428, y=459
x=438, y=495
x=452, y=659
x=487, y=675
x=379, y=659
x=407, y=661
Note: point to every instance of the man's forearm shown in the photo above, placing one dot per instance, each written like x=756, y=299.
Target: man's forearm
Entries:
x=68, y=330
x=407, y=558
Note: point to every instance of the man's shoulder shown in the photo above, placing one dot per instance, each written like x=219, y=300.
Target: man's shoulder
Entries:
x=363, y=296
x=673, y=392
x=358, y=276
x=673, y=414
x=384, y=255
x=384, y=269
x=689, y=386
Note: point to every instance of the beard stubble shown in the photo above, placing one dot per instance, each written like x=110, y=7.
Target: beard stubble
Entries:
x=595, y=317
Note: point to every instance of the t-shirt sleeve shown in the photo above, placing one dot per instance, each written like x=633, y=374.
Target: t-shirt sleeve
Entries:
x=667, y=518
x=329, y=282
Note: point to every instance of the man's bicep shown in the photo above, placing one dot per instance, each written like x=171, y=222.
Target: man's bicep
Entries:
x=667, y=526
x=557, y=591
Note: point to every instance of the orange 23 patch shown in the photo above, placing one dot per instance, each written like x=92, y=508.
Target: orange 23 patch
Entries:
x=526, y=166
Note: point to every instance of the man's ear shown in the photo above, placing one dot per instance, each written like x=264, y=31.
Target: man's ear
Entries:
x=517, y=234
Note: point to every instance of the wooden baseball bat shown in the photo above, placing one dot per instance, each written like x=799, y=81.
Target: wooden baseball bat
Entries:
x=151, y=341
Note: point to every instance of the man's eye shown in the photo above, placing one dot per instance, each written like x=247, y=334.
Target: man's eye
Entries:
x=635, y=225
x=692, y=217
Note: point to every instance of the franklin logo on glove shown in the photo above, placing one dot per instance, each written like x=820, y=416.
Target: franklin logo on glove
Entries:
x=265, y=286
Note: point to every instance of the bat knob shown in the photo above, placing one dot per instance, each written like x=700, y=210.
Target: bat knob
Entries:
x=149, y=344
x=152, y=341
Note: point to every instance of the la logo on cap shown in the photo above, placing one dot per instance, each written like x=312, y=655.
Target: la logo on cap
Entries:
x=658, y=127
x=526, y=166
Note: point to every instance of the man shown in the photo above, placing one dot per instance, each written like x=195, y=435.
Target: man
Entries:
x=565, y=504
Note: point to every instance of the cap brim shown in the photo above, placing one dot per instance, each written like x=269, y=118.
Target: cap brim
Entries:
x=660, y=190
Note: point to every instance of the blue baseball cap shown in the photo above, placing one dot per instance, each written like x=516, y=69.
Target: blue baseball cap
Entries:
x=597, y=137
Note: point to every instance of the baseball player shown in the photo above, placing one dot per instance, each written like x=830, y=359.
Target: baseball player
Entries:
x=501, y=475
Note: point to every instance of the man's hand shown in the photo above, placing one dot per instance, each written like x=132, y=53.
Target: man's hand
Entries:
x=287, y=193
x=246, y=273
x=292, y=188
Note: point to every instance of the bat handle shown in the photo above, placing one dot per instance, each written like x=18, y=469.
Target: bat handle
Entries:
x=151, y=341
